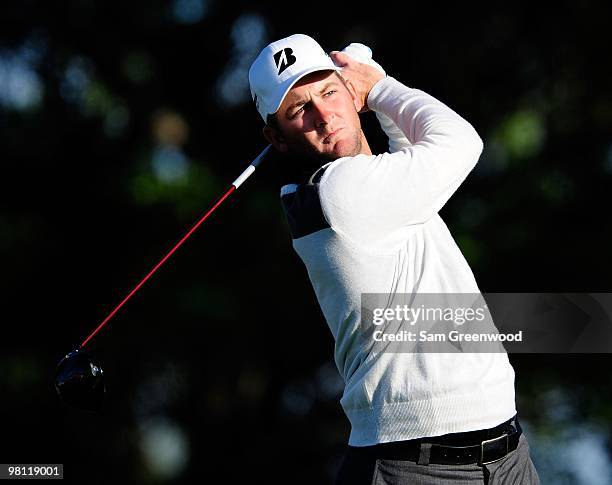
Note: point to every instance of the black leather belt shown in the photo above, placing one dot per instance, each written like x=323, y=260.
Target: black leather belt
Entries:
x=481, y=447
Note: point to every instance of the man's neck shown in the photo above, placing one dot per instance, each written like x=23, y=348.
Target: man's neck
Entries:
x=365, y=147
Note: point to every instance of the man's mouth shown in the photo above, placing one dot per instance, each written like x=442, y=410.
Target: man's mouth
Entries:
x=329, y=138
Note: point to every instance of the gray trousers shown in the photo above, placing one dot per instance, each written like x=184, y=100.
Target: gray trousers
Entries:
x=516, y=468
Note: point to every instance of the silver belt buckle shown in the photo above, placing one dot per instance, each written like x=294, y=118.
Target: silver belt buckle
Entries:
x=482, y=445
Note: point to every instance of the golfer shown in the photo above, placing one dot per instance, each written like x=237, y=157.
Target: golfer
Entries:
x=369, y=223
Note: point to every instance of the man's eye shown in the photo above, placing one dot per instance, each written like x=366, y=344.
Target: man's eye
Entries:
x=297, y=112
x=328, y=93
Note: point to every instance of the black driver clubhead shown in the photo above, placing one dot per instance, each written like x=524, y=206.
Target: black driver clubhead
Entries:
x=79, y=381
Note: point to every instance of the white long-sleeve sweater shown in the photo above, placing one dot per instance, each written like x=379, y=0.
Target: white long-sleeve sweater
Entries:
x=370, y=224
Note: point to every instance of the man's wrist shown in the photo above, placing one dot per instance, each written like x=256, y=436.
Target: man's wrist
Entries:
x=374, y=92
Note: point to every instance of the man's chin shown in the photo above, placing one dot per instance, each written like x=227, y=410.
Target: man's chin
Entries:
x=341, y=149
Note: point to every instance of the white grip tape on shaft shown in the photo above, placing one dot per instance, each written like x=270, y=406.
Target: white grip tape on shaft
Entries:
x=243, y=176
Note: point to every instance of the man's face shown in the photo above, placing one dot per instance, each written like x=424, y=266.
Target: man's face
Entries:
x=318, y=118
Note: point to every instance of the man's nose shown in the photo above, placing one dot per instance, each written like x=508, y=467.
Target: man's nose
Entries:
x=323, y=115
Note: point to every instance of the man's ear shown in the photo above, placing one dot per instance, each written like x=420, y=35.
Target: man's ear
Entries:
x=275, y=138
x=353, y=92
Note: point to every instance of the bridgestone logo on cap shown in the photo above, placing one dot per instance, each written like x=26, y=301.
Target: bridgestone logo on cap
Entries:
x=283, y=59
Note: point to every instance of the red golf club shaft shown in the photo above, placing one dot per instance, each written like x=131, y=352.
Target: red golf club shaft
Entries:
x=243, y=176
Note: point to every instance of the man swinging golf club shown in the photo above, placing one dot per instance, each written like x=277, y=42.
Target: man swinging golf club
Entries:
x=366, y=223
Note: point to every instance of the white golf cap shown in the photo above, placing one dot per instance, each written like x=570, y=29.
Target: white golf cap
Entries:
x=280, y=65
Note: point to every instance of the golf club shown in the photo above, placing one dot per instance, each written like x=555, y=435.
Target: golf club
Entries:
x=79, y=380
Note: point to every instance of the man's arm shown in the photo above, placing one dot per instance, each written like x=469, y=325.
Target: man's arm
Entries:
x=397, y=139
x=363, y=54
x=383, y=193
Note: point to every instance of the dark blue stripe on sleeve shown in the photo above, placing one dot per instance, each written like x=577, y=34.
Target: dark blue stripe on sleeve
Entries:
x=303, y=210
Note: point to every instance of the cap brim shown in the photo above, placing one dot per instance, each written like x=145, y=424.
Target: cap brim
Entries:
x=297, y=78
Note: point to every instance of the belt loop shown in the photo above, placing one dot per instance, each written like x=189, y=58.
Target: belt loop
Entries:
x=424, y=453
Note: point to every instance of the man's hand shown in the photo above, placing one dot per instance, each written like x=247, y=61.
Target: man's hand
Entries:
x=362, y=76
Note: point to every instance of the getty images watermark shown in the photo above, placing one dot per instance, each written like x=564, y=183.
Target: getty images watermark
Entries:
x=487, y=322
